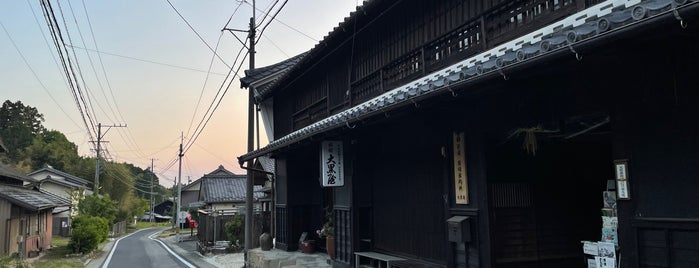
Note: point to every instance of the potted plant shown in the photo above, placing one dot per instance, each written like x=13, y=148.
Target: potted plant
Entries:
x=328, y=232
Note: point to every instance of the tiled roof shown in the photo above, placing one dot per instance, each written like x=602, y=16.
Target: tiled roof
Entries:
x=191, y=184
x=267, y=164
x=71, y=178
x=220, y=171
x=600, y=21
x=29, y=199
x=8, y=172
x=267, y=75
x=62, y=182
x=227, y=189
x=59, y=200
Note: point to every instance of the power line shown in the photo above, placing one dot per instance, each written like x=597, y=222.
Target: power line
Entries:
x=287, y=25
x=57, y=39
x=211, y=63
x=196, y=135
x=270, y=21
x=35, y=75
x=92, y=65
x=198, y=35
x=240, y=3
x=275, y=45
x=118, y=114
x=88, y=104
x=269, y=9
x=143, y=60
x=46, y=42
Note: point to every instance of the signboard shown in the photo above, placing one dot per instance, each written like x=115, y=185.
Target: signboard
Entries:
x=622, y=179
x=606, y=257
x=332, y=170
x=590, y=248
x=460, y=176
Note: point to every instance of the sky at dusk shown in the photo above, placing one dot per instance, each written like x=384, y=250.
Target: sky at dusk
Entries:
x=143, y=66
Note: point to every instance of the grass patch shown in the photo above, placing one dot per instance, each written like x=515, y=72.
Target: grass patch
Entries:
x=57, y=255
x=63, y=263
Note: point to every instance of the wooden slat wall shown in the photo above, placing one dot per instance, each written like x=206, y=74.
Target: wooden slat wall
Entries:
x=5, y=209
x=668, y=247
x=412, y=39
x=343, y=232
x=281, y=221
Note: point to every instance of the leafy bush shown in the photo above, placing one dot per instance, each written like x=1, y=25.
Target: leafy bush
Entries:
x=88, y=232
x=104, y=207
x=235, y=230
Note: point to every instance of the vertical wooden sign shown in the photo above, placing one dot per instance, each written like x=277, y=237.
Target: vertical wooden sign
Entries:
x=460, y=176
x=621, y=170
x=332, y=164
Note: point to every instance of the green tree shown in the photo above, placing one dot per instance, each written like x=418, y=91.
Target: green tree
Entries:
x=53, y=148
x=235, y=230
x=93, y=205
x=87, y=233
x=117, y=181
x=18, y=125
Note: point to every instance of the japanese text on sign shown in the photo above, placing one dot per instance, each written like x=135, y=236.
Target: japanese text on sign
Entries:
x=460, y=177
x=332, y=164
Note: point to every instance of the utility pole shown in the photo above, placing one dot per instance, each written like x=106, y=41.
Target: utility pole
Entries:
x=179, y=191
x=99, y=149
x=251, y=142
x=152, y=200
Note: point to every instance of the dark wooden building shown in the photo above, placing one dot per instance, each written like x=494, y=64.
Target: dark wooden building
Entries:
x=485, y=133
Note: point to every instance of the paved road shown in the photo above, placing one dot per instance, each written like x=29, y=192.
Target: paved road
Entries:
x=142, y=249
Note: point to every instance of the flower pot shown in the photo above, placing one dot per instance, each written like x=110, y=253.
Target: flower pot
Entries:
x=308, y=246
x=330, y=246
x=265, y=241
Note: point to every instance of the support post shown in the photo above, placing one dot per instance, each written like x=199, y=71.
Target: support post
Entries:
x=179, y=192
x=251, y=142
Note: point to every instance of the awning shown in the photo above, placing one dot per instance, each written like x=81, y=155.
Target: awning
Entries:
x=582, y=30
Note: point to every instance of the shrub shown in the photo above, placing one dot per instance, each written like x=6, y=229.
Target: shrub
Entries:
x=88, y=232
x=235, y=230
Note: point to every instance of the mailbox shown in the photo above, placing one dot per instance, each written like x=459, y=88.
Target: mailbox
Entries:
x=459, y=228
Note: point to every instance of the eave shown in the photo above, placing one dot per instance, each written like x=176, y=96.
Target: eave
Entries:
x=584, y=30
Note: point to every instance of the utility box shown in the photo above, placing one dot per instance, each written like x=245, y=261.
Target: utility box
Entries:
x=459, y=228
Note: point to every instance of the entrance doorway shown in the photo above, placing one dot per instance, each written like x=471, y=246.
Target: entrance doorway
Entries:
x=544, y=202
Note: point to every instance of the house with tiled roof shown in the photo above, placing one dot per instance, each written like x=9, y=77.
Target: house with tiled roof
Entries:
x=67, y=186
x=25, y=214
x=486, y=133
x=225, y=190
x=222, y=196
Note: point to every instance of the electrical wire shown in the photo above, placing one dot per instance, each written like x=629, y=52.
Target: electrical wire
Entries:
x=211, y=109
x=269, y=9
x=57, y=39
x=275, y=45
x=88, y=104
x=144, y=60
x=287, y=25
x=36, y=76
x=118, y=113
x=198, y=35
x=211, y=63
x=191, y=141
x=270, y=21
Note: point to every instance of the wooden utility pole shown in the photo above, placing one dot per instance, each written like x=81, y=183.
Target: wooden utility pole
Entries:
x=251, y=142
x=152, y=200
x=98, y=150
x=179, y=191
